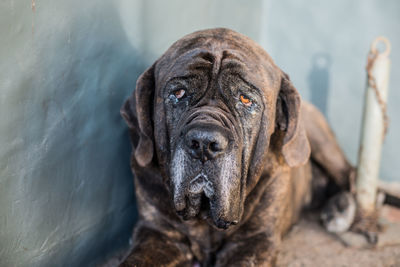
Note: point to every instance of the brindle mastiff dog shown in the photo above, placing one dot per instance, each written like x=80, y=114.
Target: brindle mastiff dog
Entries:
x=223, y=154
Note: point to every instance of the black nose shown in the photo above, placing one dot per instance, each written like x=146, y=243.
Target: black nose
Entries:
x=205, y=144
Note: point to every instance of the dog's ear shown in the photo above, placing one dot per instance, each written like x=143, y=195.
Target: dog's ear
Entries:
x=295, y=146
x=137, y=111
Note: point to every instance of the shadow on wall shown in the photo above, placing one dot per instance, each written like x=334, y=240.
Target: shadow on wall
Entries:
x=318, y=80
x=66, y=186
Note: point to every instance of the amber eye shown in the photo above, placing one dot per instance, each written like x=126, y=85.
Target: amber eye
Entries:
x=179, y=93
x=245, y=100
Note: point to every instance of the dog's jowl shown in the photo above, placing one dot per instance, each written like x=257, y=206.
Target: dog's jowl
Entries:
x=224, y=154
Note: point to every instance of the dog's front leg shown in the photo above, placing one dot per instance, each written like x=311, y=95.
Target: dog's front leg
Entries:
x=256, y=242
x=156, y=248
x=257, y=250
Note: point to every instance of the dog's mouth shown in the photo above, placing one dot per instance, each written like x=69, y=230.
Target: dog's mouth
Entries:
x=202, y=188
x=204, y=212
x=198, y=193
x=207, y=191
x=204, y=209
x=201, y=184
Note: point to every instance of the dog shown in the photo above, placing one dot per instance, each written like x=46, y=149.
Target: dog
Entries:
x=225, y=154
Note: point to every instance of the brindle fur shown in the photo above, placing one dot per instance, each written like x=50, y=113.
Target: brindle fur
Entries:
x=241, y=219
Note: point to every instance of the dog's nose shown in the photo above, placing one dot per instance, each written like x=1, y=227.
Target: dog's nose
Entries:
x=205, y=144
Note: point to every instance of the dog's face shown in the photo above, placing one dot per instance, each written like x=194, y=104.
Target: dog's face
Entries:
x=213, y=117
x=209, y=105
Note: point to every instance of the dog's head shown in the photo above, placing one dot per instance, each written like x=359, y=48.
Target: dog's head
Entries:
x=208, y=108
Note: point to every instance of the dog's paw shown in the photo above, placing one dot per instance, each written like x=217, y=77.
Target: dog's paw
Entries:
x=368, y=226
x=339, y=212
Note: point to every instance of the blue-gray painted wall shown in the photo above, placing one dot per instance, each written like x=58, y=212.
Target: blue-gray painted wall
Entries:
x=66, y=195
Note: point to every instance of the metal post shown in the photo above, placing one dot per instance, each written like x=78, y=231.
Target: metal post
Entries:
x=374, y=126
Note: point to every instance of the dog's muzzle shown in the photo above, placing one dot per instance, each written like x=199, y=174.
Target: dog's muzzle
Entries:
x=205, y=169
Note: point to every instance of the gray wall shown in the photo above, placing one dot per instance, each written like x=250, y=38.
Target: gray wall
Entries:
x=66, y=192
x=323, y=46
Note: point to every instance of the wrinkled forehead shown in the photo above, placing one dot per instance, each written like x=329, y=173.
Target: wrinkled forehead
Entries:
x=218, y=55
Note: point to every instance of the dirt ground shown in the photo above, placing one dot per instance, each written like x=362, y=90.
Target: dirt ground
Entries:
x=309, y=245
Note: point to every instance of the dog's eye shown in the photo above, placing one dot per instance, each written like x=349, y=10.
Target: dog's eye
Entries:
x=245, y=100
x=179, y=93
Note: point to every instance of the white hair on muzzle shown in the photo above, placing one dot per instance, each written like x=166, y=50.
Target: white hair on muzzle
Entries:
x=179, y=164
x=227, y=173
